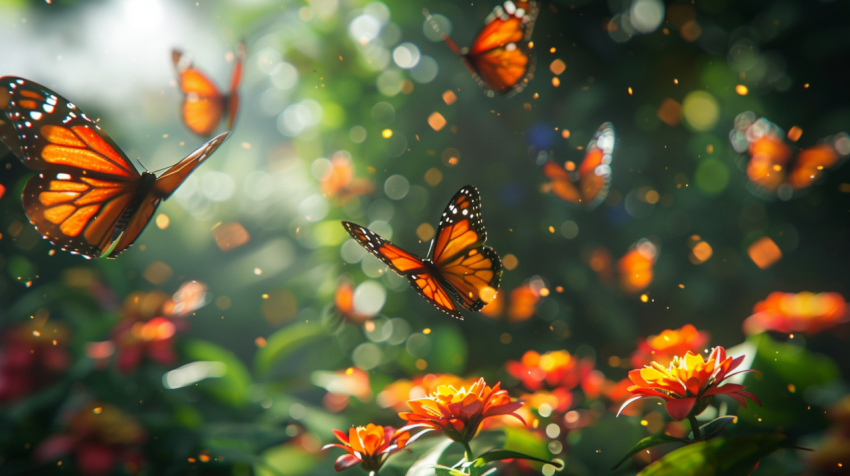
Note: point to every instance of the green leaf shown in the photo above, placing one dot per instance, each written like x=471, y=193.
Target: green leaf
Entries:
x=714, y=426
x=499, y=455
x=649, y=442
x=521, y=440
x=284, y=342
x=232, y=387
x=426, y=464
x=734, y=456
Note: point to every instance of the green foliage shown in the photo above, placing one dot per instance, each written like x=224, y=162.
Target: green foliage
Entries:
x=284, y=342
x=649, y=442
x=734, y=456
x=232, y=387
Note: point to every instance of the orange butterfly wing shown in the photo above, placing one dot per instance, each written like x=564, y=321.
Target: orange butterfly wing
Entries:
x=472, y=269
x=500, y=57
x=595, y=170
x=88, y=199
x=417, y=271
x=235, y=81
x=203, y=105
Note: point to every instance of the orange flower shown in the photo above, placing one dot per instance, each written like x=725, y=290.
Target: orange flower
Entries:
x=370, y=445
x=551, y=367
x=396, y=394
x=690, y=383
x=802, y=312
x=459, y=413
x=670, y=343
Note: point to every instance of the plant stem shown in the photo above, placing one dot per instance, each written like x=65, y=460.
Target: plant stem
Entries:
x=468, y=453
x=694, y=426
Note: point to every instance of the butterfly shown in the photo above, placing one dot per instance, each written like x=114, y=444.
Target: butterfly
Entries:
x=500, y=58
x=774, y=169
x=588, y=185
x=203, y=105
x=522, y=306
x=339, y=180
x=459, y=270
x=88, y=197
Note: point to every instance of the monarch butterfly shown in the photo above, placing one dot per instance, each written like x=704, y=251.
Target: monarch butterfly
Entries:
x=593, y=175
x=773, y=168
x=88, y=197
x=500, y=58
x=203, y=105
x=339, y=180
x=459, y=267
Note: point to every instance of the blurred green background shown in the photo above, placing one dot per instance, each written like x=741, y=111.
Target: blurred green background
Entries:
x=332, y=77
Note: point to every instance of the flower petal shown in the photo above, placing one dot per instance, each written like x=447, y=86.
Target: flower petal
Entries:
x=750, y=396
x=345, y=462
x=679, y=408
x=628, y=402
x=341, y=436
x=503, y=409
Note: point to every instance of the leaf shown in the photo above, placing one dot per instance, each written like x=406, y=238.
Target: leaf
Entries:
x=426, y=464
x=649, y=442
x=523, y=441
x=499, y=455
x=284, y=342
x=232, y=387
x=714, y=426
x=734, y=456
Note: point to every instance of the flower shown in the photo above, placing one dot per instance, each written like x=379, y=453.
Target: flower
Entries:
x=370, y=445
x=100, y=437
x=396, y=394
x=802, y=312
x=533, y=369
x=459, y=413
x=32, y=356
x=668, y=344
x=690, y=383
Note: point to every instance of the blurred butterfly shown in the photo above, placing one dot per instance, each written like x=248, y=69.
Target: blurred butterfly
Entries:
x=459, y=269
x=774, y=168
x=586, y=185
x=522, y=303
x=88, y=197
x=339, y=180
x=500, y=58
x=203, y=105
x=636, y=266
x=344, y=302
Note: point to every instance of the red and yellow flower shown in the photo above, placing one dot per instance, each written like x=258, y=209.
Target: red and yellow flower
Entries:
x=397, y=394
x=553, y=368
x=368, y=445
x=690, y=383
x=669, y=344
x=32, y=356
x=802, y=312
x=459, y=413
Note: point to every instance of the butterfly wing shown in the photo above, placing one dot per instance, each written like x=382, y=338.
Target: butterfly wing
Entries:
x=500, y=56
x=235, y=80
x=595, y=170
x=203, y=105
x=162, y=188
x=810, y=164
x=561, y=184
x=8, y=134
x=86, y=184
x=472, y=269
x=417, y=271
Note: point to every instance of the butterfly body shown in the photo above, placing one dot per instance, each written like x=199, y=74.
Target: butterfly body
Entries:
x=459, y=271
x=87, y=198
x=204, y=106
x=500, y=58
x=586, y=185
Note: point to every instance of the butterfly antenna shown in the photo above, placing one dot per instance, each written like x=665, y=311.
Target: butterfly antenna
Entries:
x=444, y=36
x=139, y=160
x=430, y=248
